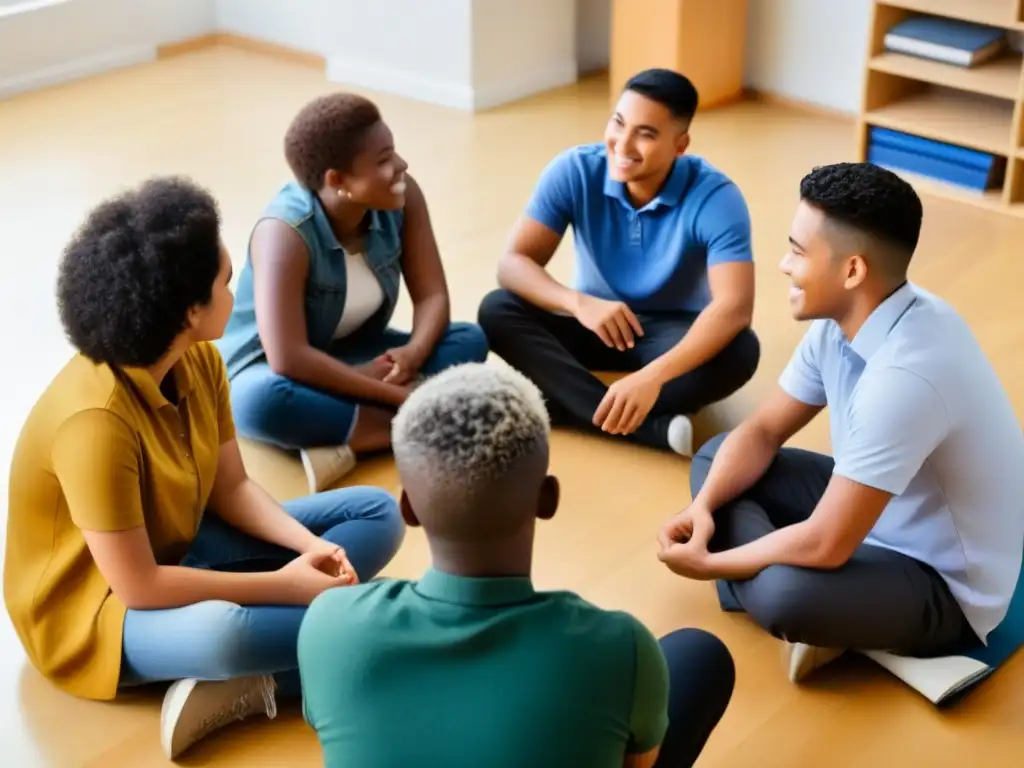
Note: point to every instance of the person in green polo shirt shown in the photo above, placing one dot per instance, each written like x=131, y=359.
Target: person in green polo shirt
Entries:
x=470, y=665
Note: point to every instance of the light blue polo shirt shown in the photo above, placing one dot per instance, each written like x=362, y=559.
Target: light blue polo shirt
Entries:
x=653, y=258
x=916, y=409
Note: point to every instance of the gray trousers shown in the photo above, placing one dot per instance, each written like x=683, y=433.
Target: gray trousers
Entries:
x=878, y=600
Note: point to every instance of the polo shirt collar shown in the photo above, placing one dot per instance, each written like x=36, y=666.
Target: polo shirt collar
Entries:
x=464, y=590
x=876, y=328
x=150, y=392
x=670, y=194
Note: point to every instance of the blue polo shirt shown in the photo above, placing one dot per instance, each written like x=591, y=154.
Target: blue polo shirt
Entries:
x=464, y=672
x=917, y=410
x=653, y=258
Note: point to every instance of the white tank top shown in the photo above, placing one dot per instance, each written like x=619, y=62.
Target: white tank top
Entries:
x=363, y=295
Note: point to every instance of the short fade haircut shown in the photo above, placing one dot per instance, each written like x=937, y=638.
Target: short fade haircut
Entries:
x=671, y=89
x=135, y=268
x=468, y=443
x=327, y=134
x=874, y=204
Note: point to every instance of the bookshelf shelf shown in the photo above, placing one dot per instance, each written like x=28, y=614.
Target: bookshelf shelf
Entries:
x=1000, y=78
x=951, y=116
x=998, y=13
x=979, y=108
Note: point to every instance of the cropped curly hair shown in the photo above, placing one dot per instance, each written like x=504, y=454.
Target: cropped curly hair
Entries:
x=472, y=440
x=872, y=203
x=135, y=267
x=327, y=134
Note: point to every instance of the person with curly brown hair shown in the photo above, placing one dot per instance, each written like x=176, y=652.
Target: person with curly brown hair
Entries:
x=138, y=549
x=314, y=365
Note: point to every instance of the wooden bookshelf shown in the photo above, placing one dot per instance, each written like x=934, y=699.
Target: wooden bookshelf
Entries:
x=980, y=108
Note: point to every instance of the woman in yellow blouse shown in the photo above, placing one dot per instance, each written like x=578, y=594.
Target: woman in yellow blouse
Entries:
x=138, y=550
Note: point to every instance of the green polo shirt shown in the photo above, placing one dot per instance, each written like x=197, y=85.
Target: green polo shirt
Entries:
x=453, y=671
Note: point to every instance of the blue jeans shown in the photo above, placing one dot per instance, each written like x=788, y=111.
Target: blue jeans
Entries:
x=274, y=409
x=218, y=640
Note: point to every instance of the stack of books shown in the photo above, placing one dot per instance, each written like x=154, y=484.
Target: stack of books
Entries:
x=951, y=41
x=949, y=163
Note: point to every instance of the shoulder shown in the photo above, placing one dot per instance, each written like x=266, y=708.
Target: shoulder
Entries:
x=710, y=189
x=204, y=365
x=361, y=609
x=586, y=163
x=84, y=400
x=293, y=204
x=615, y=630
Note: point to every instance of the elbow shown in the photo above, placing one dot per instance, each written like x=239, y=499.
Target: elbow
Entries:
x=283, y=363
x=741, y=313
x=829, y=553
x=141, y=596
x=504, y=264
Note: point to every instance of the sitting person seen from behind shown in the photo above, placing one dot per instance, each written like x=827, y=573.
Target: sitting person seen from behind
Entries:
x=664, y=285
x=909, y=540
x=314, y=365
x=478, y=666
x=138, y=550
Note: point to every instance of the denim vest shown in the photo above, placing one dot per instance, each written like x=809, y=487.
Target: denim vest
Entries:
x=326, y=282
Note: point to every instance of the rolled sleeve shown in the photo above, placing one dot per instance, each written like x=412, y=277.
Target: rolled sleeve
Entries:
x=723, y=224
x=801, y=378
x=553, y=198
x=894, y=423
x=96, y=459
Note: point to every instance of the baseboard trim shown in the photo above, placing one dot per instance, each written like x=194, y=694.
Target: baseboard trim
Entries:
x=76, y=69
x=799, y=105
x=244, y=43
x=534, y=83
x=399, y=82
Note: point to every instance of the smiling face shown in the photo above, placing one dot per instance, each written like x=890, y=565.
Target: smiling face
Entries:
x=643, y=139
x=376, y=178
x=820, y=279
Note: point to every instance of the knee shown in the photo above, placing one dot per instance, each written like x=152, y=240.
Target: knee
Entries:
x=701, y=462
x=689, y=647
x=697, y=657
x=495, y=309
x=778, y=600
x=469, y=343
x=222, y=630
x=369, y=505
x=745, y=354
x=261, y=403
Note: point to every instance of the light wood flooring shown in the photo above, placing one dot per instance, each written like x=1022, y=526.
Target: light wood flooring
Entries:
x=219, y=116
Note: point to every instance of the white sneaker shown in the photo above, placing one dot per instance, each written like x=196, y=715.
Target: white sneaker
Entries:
x=802, y=659
x=193, y=709
x=680, y=436
x=325, y=466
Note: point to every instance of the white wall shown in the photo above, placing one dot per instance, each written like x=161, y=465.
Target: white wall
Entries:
x=82, y=37
x=593, y=34
x=809, y=50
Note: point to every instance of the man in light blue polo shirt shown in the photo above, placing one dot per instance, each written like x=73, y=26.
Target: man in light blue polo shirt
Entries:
x=910, y=540
x=664, y=276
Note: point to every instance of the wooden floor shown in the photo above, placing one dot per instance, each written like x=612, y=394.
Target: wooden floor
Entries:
x=219, y=116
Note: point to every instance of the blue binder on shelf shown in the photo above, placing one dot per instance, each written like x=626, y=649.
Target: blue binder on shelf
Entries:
x=968, y=168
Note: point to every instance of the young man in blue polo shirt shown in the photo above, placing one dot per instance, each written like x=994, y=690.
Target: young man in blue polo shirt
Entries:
x=665, y=276
x=910, y=539
x=470, y=665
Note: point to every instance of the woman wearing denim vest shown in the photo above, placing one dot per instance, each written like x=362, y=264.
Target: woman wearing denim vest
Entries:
x=314, y=365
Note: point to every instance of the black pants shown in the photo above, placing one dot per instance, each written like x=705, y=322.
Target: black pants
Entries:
x=558, y=355
x=701, y=680
x=878, y=600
